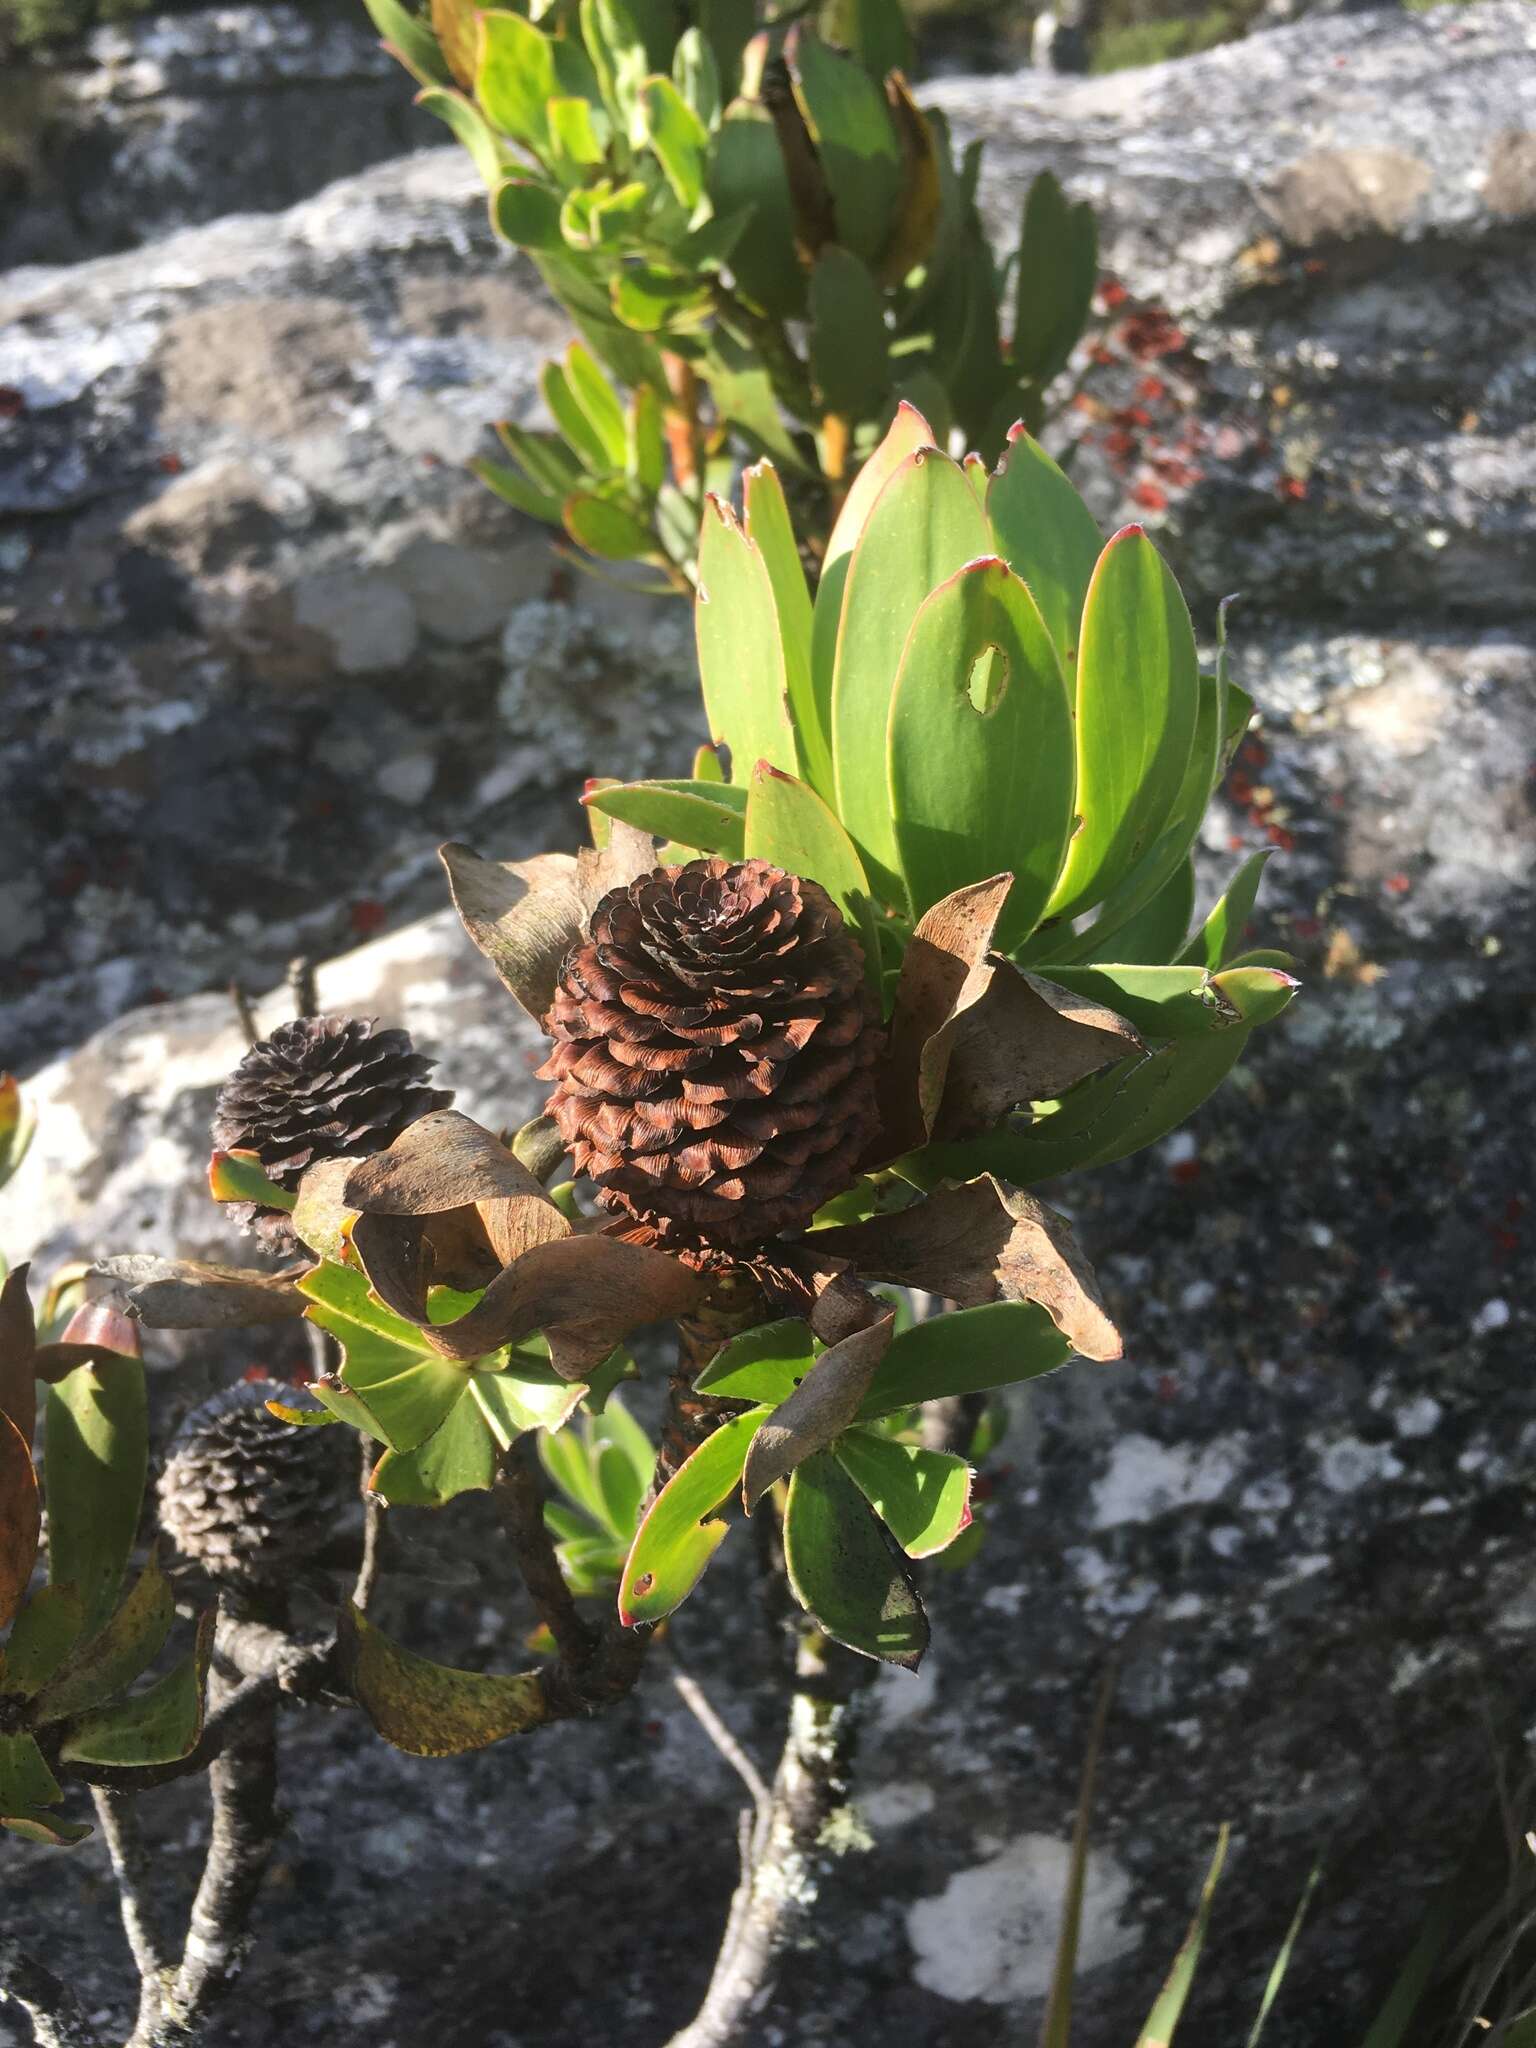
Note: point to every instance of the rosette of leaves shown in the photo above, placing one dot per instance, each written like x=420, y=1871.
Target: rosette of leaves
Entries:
x=979, y=759
x=763, y=242
x=79, y=1643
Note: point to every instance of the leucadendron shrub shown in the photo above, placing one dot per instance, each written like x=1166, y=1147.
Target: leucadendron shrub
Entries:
x=914, y=937
x=763, y=241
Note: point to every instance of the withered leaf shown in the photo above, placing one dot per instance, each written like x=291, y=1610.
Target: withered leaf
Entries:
x=1023, y=1039
x=983, y=1242
x=442, y=1161
x=586, y=1293
x=820, y=1408
x=525, y=915
x=972, y=1036
x=428, y=1709
x=185, y=1294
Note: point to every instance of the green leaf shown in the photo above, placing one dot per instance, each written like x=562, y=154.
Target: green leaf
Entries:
x=923, y=1497
x=708, y=815
x=1057, y=268
x=615, y=1425
x=697, y=76
x=1218, y=939
x=239, y=1177
x=679, y=138
x=45, y=1830
x=159, y=1726
x=744, y=396
x=94, y=1470
x=741, y=656
x=115, y=1656
x=1047, y=535
x=45, y=1632
x=1166, y=1002
x=645, y=447
x=1169, y=2007
x=621, y=1486
x=981, y=747
x=1158, y=930
x=844, y=1570
x=965, y=1351
x=429, y=1709
x=599, y=403
x=924, y=526
x=788, y=824
x=408, y=1388
x=493, y=1410
x=652, y=300
x=25, y=1779
x=517, y=490
x=580, y=436
x=679, y=1536
x=526, y=213
x=1282, y=1962
x=875, y=30
x=765, y=1364
x=516, y=78
x=573, y=133
x=1138, y=685
x=410, y=39
x=545, y=457
x=855, y=139
x=729, y=25
x=768, y=524
x=469, y=126
x=747, y=174
x=850, y=366
x=608, y=530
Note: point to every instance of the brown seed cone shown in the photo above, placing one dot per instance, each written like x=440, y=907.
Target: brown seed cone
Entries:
x=714, y=1051
x=319, y=1088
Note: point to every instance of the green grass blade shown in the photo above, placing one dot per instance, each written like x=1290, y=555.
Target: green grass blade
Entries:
x=1283, y=1959
x=1166, y=2013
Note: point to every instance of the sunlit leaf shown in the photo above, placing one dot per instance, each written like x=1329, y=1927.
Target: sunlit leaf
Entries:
x=94, y=1470
x=923, y=1497
x=680, y=1532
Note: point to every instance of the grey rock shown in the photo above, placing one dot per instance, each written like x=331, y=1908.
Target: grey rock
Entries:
x=176, y=118
x=254, y=606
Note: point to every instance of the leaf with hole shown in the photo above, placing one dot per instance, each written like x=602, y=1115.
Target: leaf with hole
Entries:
x=1047, y=535
x=681, y=1531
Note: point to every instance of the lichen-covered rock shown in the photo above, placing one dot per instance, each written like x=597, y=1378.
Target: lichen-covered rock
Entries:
x=154, y=124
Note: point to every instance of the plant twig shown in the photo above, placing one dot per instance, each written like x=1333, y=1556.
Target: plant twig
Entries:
x=697, y=1701
x=373, y=1532
x=783, y=1844
x=301, y=986
x=244, y=1012
x=242, y=1786
x=56, y=2015
x=519, y=1501
x=118, y=1815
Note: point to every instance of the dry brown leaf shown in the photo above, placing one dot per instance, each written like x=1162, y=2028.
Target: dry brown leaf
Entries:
x=1023, y=1039
x=586, y=1293
x=185, y=1294
x=972, y=1036
x=525, y=915
x=442, y=1161
x=986, y=1242
x=819, y=1409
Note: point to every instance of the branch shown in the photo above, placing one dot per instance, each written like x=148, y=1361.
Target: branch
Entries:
x=519, y=1501
x=55, y=2012
x=117, y=1813
x=783, y=1844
